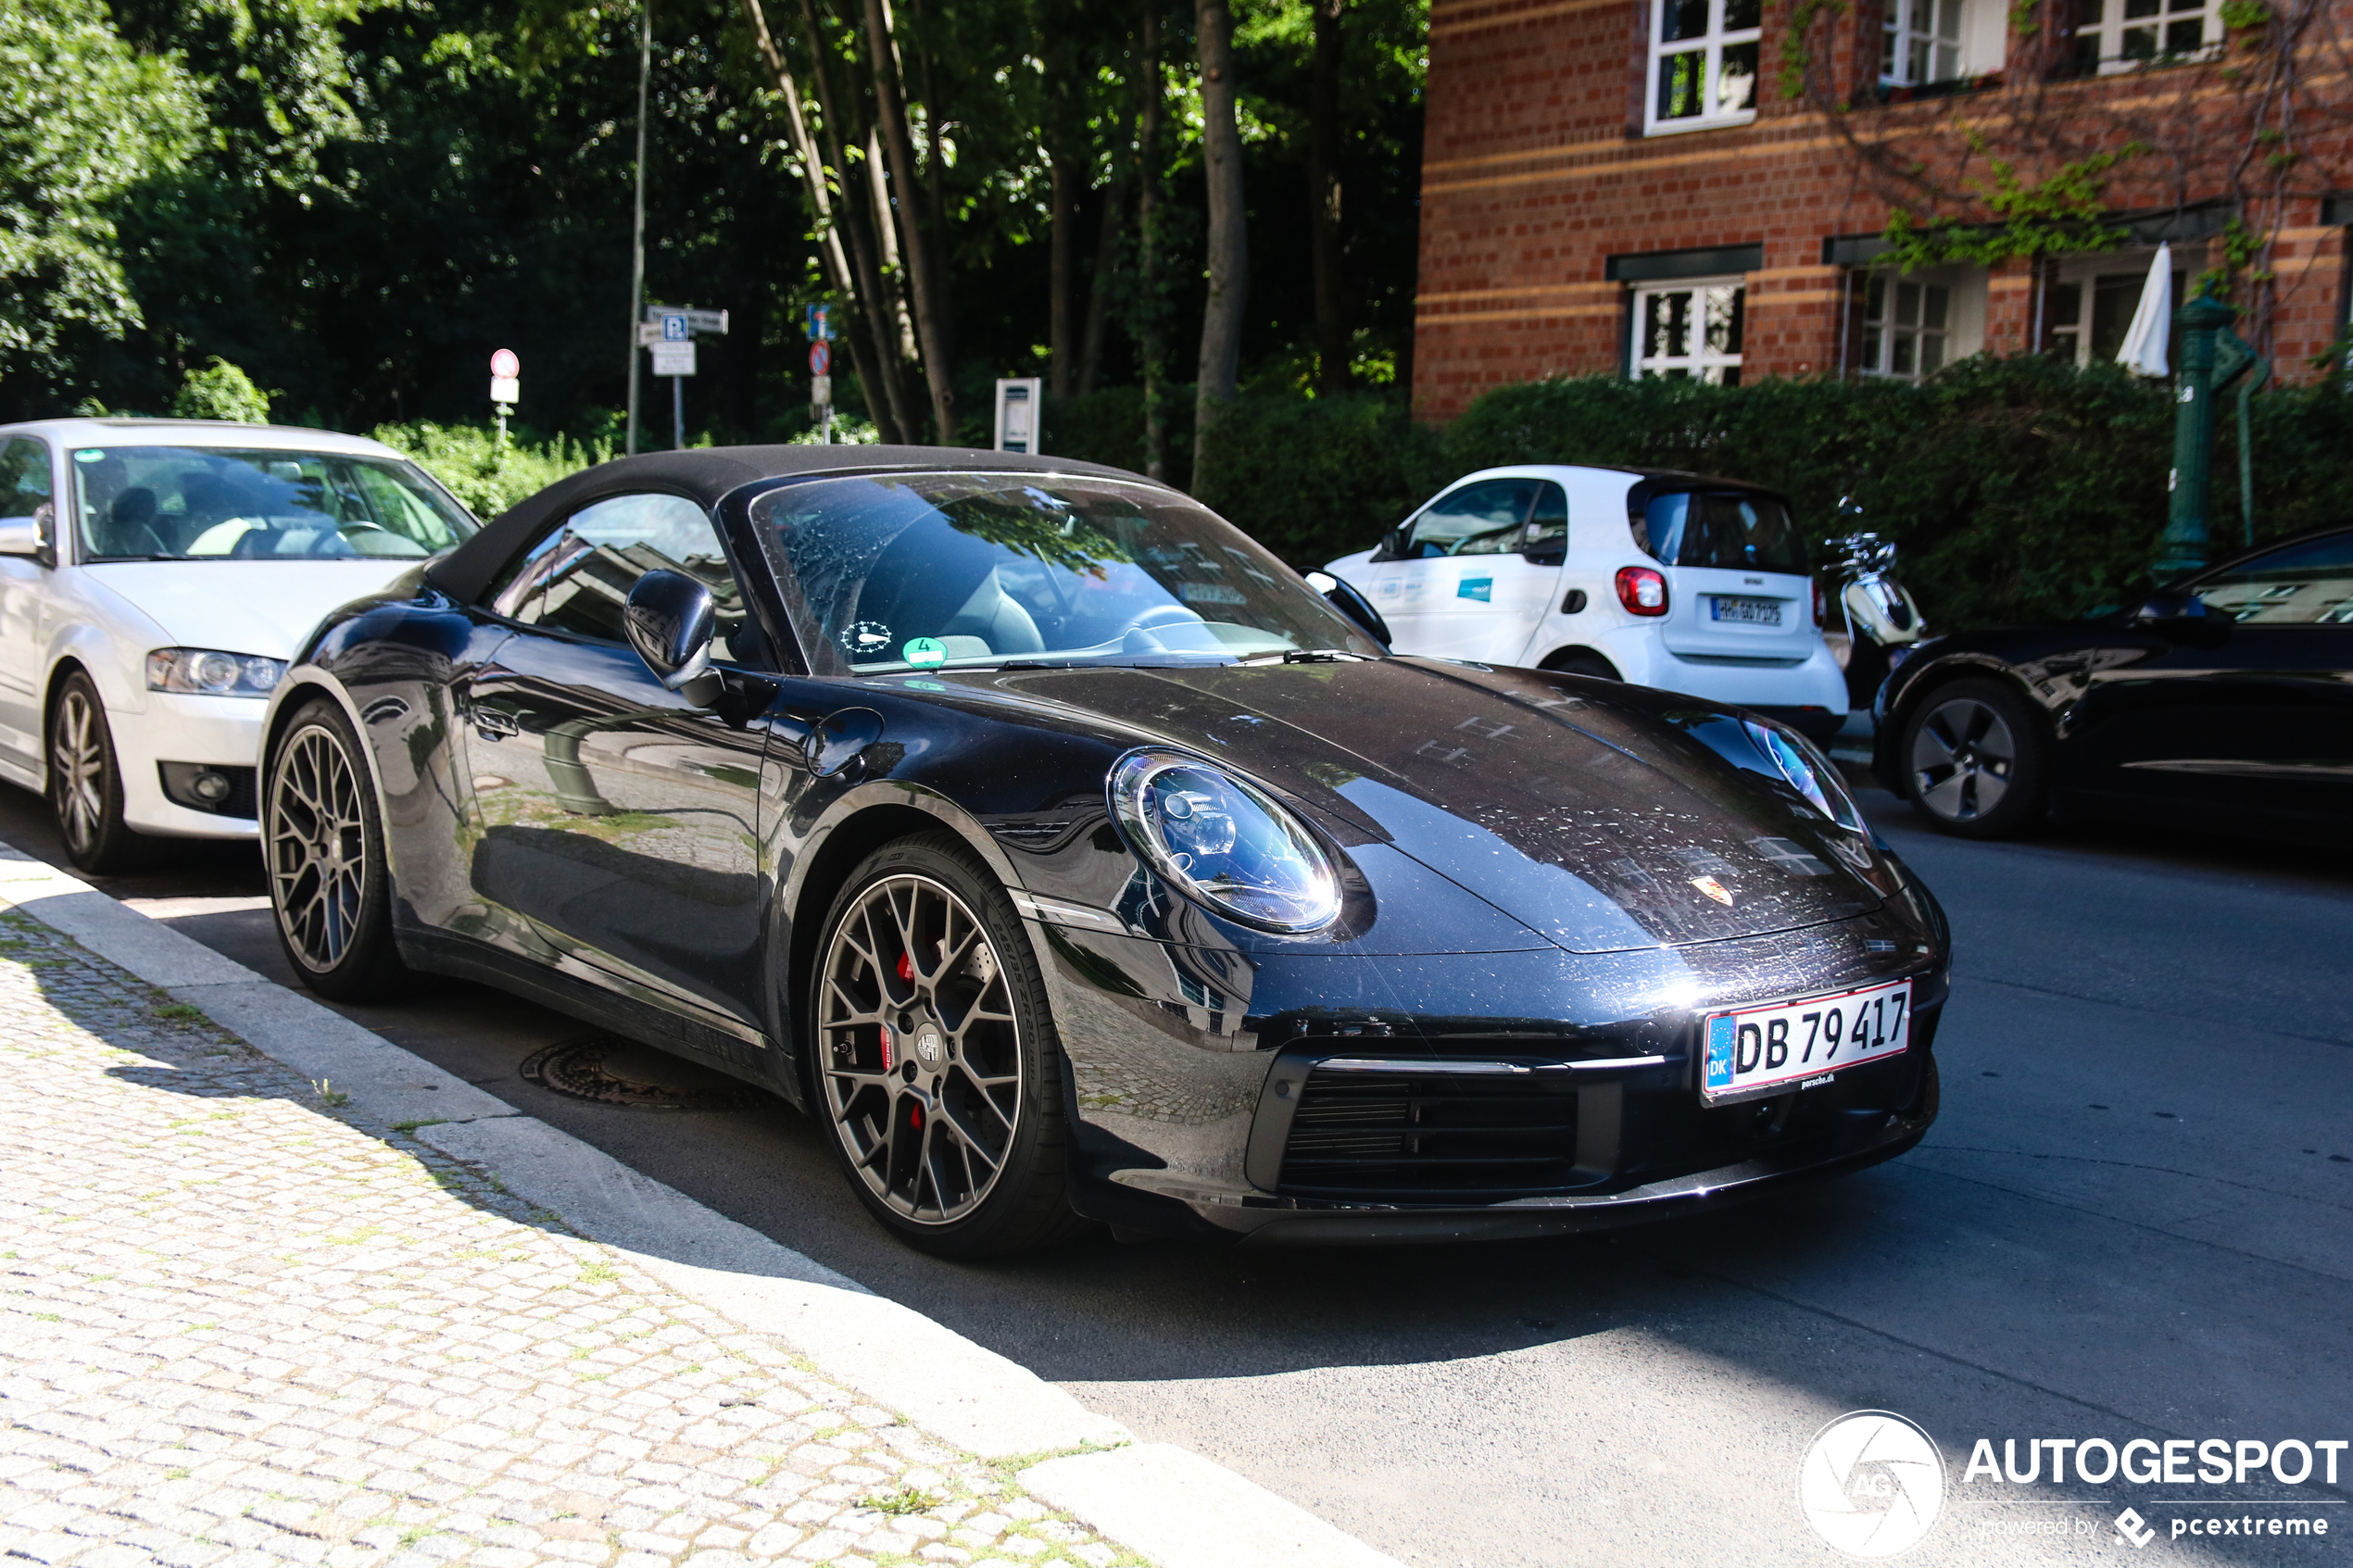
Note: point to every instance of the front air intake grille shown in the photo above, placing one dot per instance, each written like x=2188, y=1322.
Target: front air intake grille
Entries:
x=1454, y=1135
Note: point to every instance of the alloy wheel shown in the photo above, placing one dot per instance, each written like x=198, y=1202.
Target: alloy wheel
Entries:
x=318, y=847
x=1963, y=759
x=78, y=765
x=922, y=1063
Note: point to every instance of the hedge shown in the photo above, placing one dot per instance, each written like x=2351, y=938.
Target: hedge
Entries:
x=2017, y=489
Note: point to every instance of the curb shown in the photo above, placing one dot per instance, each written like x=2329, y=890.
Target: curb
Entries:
x=1169, y=1504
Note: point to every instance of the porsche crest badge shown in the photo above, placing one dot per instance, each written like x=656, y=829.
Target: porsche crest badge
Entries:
x=1713, y=889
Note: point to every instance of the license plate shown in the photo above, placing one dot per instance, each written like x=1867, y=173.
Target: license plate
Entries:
x=1753, y=612
x=1791, y=1043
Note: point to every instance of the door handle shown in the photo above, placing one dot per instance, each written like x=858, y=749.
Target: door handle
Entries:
x=496, y=723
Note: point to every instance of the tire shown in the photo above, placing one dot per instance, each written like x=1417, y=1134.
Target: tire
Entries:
x=1582, y=661
x=322, y=842
x=940, y=1087
x=1975, y=760
x=85, y=782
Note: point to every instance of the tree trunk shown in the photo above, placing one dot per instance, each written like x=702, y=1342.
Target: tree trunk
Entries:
x=1323, y=184
x=1221, y=326
x=1090, y=358
x=894, y=416
x=1062, y=248
x=838, y=269
x=931, y=313
x=1152, y=333
x=893, y=270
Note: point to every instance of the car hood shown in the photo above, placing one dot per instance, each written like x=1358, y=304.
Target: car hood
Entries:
x=260, y=606
x=1606, y=818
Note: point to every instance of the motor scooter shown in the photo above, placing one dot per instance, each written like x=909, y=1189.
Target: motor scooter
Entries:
x=1878, y=620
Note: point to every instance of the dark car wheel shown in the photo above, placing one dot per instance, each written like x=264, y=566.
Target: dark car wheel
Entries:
x=1582, y=661
x=85, y=782
x=937, y=1062
x=323, y=840
x=1975, y=757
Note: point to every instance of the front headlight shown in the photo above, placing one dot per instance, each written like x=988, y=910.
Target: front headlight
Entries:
x=1223, y=843
x=1809, y=772
x=210, y=672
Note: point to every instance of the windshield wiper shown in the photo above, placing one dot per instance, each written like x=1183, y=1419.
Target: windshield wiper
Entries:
x=1305, y=656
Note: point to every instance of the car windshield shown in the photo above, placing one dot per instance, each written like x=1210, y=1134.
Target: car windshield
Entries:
x=919, y=571
x=1736, y=530
x=2306, y=584
x=197, y=503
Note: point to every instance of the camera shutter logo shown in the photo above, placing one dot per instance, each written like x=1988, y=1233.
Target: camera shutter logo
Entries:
x=1871, y=1484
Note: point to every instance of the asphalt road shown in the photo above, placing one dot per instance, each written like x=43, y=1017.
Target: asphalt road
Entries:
x=2134, y=1219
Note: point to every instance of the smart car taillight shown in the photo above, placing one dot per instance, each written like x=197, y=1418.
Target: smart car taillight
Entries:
x=1641, y=591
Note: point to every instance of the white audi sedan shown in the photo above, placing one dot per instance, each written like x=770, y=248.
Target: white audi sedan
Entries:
x=154, y=577
x=1662, y=578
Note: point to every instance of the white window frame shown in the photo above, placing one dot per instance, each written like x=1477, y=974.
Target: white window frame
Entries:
x=1932, y=34
x=1694, y=357
x=2146, y=36
x=1710, y=47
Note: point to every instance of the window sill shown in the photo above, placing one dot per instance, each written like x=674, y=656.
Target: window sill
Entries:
x=1890, y=94
x=1685, y=127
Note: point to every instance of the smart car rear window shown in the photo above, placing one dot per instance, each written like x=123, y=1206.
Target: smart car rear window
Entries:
x=1735, y=530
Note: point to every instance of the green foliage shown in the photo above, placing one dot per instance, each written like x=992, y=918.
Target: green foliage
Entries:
x=2018, y=489
x=2065, y=213
x=1797, y=54
x=1315, y=478
x=487, y=474
x=220, y=391
x=84, y=121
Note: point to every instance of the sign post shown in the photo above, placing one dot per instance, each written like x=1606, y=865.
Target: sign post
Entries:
x=506, y=387
x=669, y=331
x=817, y=325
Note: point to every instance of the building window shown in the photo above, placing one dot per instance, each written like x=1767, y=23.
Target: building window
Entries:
x=1702, y=63
x=2086, y=314
x=1689, y=330
x=1906, y=328
x=1922, y=42
x=2113, y=35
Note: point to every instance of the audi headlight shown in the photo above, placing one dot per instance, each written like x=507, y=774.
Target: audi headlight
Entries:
x=1809, y=772
x=1225, y=844
x=210, y=672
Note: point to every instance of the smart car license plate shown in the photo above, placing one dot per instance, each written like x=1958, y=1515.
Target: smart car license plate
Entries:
x=1791, y=1043
x=1756, y=612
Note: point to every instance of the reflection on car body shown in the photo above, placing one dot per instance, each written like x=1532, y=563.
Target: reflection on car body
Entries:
x=1070, y=859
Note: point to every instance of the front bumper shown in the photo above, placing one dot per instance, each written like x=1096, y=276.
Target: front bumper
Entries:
x=221, y=732
x=1458, y=1097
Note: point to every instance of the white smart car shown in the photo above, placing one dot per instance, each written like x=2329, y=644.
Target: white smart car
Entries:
x=1668, y=580
x=154, y=577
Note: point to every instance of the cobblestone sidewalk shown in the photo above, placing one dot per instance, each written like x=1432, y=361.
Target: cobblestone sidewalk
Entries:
x=240, y=1327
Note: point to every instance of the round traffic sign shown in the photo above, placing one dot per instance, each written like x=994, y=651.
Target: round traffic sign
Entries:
x=504, y=363
x=821, y=357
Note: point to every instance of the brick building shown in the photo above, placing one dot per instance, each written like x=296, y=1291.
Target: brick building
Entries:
x=1620, y=186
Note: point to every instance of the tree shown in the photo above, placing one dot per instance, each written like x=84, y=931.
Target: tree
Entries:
x=1324, y=194
x=220, y=391
x=1221, y=327
x=85, y=121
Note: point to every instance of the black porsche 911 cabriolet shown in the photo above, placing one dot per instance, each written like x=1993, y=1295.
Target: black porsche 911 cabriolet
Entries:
x=1070, y=860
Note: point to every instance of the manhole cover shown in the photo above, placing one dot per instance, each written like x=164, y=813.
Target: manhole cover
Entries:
x=611, y=1069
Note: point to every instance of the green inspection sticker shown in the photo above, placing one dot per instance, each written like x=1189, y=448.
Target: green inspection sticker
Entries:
x=925, y=653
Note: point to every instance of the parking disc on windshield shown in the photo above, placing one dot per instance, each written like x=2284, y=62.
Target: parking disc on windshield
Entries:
x=925, y=653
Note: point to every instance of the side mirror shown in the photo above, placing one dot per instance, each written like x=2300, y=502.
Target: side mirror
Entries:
x=669, y=619
x=1342, y=597
x=2169, y=605
x=22, y=536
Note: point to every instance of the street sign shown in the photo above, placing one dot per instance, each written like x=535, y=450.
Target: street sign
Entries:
x=504, y=366
x=1017, y=408
x=821, y=390
x=697, y=321
x=674, y=358
x=816, y=323
x=506, y=389
x=821, y=357
x=674, y=328
x=648, y=333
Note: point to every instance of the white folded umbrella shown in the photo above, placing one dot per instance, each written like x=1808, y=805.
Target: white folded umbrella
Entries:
x=2144, y=350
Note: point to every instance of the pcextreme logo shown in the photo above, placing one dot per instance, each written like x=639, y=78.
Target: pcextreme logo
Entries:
x=1872, y=1484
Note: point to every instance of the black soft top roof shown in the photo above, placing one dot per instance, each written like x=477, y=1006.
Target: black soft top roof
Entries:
x=705, y=474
